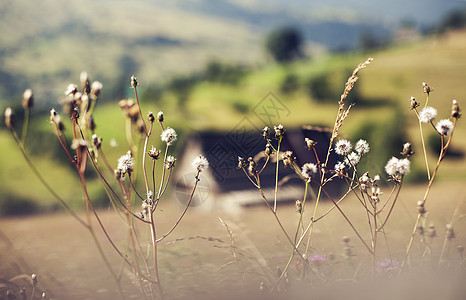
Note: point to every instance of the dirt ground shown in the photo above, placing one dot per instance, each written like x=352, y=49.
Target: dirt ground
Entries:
x=196, y=261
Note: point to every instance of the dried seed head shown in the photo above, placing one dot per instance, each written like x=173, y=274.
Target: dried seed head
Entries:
x=55, y=119
x=34, y=279
x=160, y=117
x=79, y=144
x=71, y=90
x=169, y=136
x=134, y=81
x=426, y=88
x=279, y=131
x=10, y=119
x=288, y=158
x=126, y=164
x=170, y=162
x=455, y=110
x=150, y=117
x=345, y=239
x=28, y=99
x=154, y=153
x=96, y=141
x=310, y=144
x=268, y=150
x=252, y=167
x=89, y=122
x=84, y=79
x=299, y=206
x=352, y=159
x=96, y=89
x=413, y=103
x=266, y=132
x=44, y=295
x=241, y=162
x=362, y=147
x=340, y=168
x=141, y=126
x=343, y=147
x=308, y=170
x=407, y=150
x=427, y=114
x=200, y=163
x=444, y=127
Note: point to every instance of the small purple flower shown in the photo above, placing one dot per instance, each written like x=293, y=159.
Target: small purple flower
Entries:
x=317, y=259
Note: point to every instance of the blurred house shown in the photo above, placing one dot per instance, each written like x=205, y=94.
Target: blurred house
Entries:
x=225, y=187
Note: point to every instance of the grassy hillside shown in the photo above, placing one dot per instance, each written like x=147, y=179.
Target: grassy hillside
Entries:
x=385, y=88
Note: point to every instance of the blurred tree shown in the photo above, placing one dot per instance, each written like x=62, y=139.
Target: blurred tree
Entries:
x=285, y=44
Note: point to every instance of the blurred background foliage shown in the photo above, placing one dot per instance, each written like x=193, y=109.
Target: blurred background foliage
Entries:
x=207, y=65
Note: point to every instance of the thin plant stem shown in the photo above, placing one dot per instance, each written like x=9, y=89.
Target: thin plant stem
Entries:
x=24, y=130
x=276, y=174
x=423, y=144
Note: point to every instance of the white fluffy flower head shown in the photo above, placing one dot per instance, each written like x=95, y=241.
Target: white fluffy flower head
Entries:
x=126, y=163
x=308, y=170
x=352, y=159
x=427, y=114
x=343, y=147
x=397, y=166
x=200, y=163
x=168, y=136
x=444, y=127
x=362, y=147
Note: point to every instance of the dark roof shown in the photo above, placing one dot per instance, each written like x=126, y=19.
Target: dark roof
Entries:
x=223, y=149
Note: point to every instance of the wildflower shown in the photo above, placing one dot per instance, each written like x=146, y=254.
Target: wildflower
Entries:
x=154, y=153
x=407, y=150
x=150, y=117
x=71, y=90
x=308, y=170
x=403, y=166
x=160, y=116
x=427, y=114
x=340, y=168
x=170, y=162
x=426, y=88
x=10, y=119
x=288, y=158
x=310, y=143
x=134, y=81
x=343, y=147
x=266, y=132
x=391, y=166
x=168, y=136
x=200, y=163
x=252, y=167
x=279, y=131
x=126, y=164
x=55, y=119
x=444, y=127
x=96, y=89
x=455, y=110
x=413, y=104
x=84, y=78
x=28, y=99
x=241, y=163
x=299, y=206
x=352, y=159
x=268, y=150
x=362, y=147
x=96, y=141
